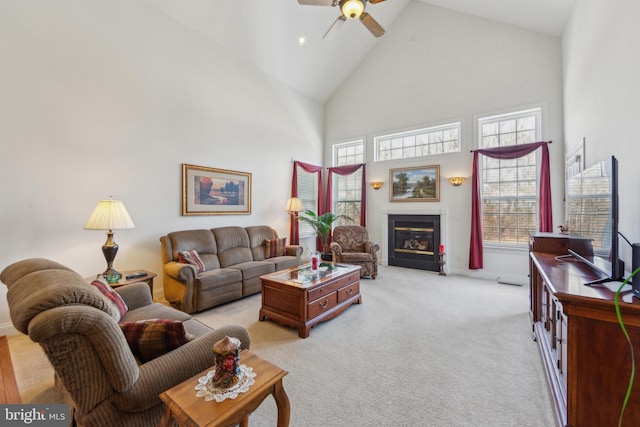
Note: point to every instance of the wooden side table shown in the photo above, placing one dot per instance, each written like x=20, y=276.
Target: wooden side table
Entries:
x=182, y=405
x=9, y=392
x=147, y=278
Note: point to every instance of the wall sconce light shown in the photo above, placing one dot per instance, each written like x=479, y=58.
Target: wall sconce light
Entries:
x=457, y=180
x=376, y=185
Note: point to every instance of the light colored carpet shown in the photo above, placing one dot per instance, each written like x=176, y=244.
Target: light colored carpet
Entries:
x=422, y=350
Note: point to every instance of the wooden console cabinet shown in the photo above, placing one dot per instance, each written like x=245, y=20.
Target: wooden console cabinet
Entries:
x=586, y=356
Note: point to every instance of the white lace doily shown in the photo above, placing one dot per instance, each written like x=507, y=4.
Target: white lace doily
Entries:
x=206, y=389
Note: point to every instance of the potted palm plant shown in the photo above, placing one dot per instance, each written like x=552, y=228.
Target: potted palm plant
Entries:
x=321, y=224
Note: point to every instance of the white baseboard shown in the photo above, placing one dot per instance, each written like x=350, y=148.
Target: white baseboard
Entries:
x=8, y=329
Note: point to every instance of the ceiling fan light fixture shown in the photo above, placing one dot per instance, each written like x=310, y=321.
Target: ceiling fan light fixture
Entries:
x=352, y=9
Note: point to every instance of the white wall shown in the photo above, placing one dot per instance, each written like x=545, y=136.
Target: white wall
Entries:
x=109, y=98
x=435, y=66
x=601, y=57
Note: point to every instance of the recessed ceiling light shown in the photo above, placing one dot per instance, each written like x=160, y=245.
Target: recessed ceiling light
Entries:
x=302, y=40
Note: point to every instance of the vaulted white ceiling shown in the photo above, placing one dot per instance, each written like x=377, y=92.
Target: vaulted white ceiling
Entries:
x=265, y=33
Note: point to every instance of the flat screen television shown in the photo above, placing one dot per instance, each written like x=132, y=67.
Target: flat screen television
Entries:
x=592, y=218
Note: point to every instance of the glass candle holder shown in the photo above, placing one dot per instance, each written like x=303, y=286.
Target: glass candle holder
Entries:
x=315, y=261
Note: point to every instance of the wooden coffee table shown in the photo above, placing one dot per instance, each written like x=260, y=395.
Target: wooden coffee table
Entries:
x=182, y=405
x=295, y=298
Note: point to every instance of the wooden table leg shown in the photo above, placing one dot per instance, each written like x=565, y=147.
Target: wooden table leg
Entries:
x=282, y=401
x=166, y=417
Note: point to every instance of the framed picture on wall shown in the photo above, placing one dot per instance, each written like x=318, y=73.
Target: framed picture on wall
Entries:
x=210, y=191
x=417, y=184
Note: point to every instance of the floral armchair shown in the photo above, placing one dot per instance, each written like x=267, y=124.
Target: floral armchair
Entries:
x=350, y=245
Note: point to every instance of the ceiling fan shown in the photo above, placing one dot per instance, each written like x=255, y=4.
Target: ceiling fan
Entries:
x=350, y=9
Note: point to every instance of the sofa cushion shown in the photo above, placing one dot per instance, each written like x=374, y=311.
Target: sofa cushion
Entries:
x=42, y=290
x=257, y=235
x=202, y=241
x=233, y=245
x=214, y=278
x=253, y=269
x=21, y=268
x=356, y=257
x=192, y=257
x=112, y=297
x=151, y=338
x=284, y=262
x=274, y=247
x=155, y=310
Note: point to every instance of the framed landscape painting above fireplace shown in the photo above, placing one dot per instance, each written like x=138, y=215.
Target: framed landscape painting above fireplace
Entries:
x=416, y=184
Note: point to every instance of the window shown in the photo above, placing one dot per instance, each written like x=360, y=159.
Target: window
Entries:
x=348, y=188
x=308, y=194
x=417, y=143
x=509, y=188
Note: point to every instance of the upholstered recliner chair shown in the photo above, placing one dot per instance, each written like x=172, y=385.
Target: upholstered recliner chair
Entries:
x=95, y=368
x=350, y=245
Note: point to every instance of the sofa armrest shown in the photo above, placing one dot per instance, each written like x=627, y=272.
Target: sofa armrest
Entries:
x=294, y=250
x=185, y=273
x=164, y=372
x=336, y=249
x=180, y=285
x=371, y=248
x=135, y=295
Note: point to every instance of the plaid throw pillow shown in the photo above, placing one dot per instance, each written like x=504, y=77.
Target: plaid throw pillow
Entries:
x=191, y=257
x=151, y=338
x=112, y=297
x=274, y=247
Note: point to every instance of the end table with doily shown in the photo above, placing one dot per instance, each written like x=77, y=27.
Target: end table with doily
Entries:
x=193, y=403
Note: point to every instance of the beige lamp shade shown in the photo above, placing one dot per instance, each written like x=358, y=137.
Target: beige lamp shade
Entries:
x=109, y=215
x=294, y=205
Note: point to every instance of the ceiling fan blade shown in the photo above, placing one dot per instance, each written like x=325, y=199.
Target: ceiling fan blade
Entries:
x=316, y=2
x=375, y=1
x=372, y=25
x=334, y=27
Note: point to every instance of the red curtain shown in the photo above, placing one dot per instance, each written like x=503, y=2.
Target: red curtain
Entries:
x=349, y=170
x=294, y=231
x=508, y=152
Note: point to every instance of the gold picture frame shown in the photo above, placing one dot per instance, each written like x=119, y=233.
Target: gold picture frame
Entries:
x=211, y=191
x=416, y=184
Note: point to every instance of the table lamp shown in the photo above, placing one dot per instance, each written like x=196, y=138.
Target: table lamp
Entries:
x=294, y=205
x=109, y=215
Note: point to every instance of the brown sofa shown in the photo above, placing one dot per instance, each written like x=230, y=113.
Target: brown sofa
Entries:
x=95, y=368
x=233, y=258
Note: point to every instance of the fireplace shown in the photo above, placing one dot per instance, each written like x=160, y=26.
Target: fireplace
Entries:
x=414, y=241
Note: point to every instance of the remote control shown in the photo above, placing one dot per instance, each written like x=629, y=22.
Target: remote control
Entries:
x=136, y=275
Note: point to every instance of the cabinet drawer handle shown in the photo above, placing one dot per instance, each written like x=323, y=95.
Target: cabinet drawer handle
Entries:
x=349, y=291
x=324, y=304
